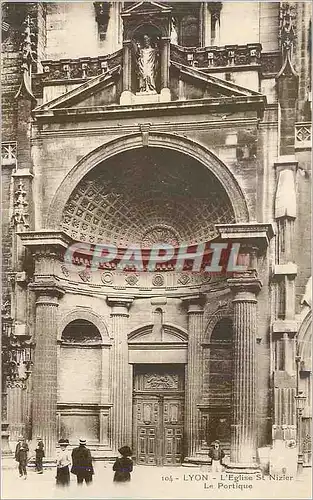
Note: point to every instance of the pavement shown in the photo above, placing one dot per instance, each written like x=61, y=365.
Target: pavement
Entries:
x=155, y=483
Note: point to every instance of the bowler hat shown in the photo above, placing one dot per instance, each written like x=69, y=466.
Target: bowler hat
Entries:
x=125, y=451
x=82, y=441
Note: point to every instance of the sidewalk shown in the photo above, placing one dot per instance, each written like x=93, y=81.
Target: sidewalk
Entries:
x=153, y=483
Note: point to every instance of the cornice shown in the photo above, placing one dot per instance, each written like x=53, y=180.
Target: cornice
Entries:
x=208, y=105
x=124, y=129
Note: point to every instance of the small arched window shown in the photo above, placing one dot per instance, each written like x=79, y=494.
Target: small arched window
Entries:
x=81, y=331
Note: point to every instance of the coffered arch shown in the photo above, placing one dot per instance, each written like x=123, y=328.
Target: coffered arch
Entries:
x=186, y=147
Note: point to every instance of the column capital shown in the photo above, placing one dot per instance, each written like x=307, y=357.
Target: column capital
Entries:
x=47, y=292
x=245, y=285
x=119, y=305
x=286, y=162
x=254, y=234
x=195, y=303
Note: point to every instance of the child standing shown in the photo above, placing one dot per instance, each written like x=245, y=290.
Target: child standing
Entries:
x=40, y=453
x=123, y=466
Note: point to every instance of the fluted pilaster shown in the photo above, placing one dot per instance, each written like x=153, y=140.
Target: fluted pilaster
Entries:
x=194, y=376
x=45, y=367
x=244, y=425
x=119, y=375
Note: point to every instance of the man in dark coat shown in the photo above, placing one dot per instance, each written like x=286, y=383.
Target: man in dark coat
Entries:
x=40, y=453
x=21, y=455
x=82, y=463
x=216, y=454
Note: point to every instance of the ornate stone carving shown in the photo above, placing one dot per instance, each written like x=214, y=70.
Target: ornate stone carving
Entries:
x=107, y=278
x=28, y=53
x=132, y=279
x=217, y=57
x=161, y=200
x=287, y=36
x=65, y=271
x=160, y=233
x=20, y=211
x=158, y=280
x=147, y=58
x=85, y=276
x=159, y=381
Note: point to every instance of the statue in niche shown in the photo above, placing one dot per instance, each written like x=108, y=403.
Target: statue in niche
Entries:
x=147, y=60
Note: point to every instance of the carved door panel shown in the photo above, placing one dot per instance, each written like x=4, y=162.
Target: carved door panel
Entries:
x=158, y=412
x=147, y=422
x=173, y=421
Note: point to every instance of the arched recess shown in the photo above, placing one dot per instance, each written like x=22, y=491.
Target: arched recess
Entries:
x=84, y=314
x=157, y=140
x=83, y=399
x=305, y=381
x=217, y=379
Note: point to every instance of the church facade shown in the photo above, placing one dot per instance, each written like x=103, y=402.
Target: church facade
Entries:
x=138, y=124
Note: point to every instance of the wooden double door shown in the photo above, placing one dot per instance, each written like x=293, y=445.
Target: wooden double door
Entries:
x=158, y=414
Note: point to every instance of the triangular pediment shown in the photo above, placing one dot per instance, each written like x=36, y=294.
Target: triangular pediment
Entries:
x=211, y=86
x=103, y=91
x=97, y=91
x=146, y=7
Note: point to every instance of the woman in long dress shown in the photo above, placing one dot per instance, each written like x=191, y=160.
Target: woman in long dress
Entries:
x=147, y=60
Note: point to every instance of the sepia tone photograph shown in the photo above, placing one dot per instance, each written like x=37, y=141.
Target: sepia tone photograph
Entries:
x=156, y=250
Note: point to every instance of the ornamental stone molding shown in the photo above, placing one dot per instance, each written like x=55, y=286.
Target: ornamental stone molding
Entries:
x=157, y=140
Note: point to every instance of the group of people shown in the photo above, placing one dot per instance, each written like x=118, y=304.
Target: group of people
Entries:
x=79, y=462
x=21, y=456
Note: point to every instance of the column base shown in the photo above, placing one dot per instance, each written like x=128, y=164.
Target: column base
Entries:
x=5, y=435
x=165, y=95
x=248, y=468
x=195, y=461
x=126, y=97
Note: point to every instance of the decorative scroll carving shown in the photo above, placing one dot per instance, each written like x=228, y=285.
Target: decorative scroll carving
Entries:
x=158, y=280
x=159, y=381
x=20, y=212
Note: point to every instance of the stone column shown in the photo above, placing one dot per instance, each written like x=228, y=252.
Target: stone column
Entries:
x=165, y=68
x=44, y=411
x=126, y=95
x=194, y=376
x=119, y=371
x=244, y=424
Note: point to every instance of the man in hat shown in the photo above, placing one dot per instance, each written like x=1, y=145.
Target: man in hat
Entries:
x=82, y=463
x=40, y=453
x=217, y=455
x=123, y=466
x=63, y=463
x=21, y=453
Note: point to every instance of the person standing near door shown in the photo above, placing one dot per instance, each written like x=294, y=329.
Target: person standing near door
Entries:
x=82, y=463
x=123, y=466
x=217, y=455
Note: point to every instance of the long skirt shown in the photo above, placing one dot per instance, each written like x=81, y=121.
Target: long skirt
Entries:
x=63, y=476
